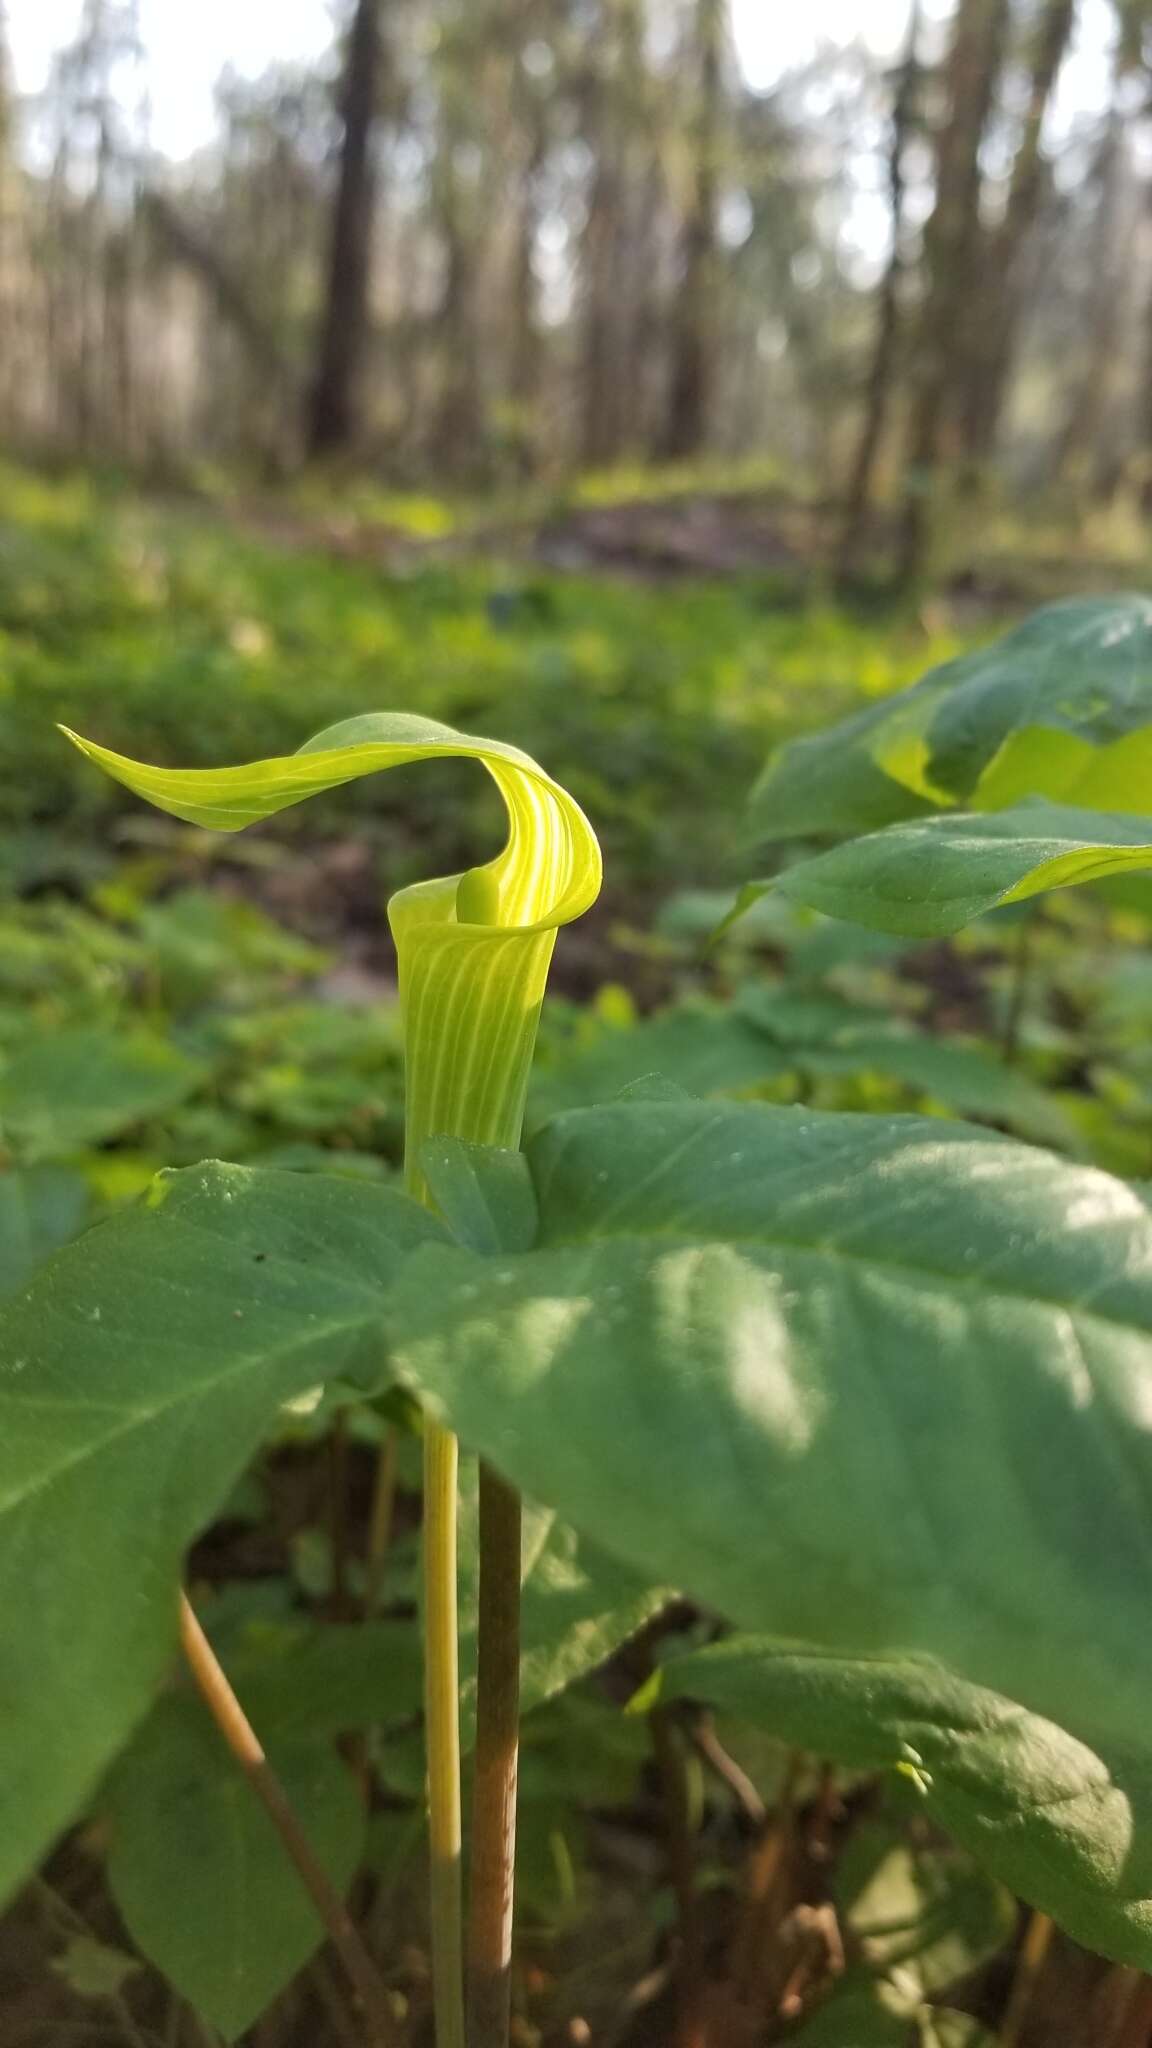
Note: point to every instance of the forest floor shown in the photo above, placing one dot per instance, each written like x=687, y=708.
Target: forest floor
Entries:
x=165, y=996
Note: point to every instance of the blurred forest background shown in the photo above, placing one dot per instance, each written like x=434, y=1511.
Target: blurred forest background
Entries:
x=646, y=383
x=485, y=243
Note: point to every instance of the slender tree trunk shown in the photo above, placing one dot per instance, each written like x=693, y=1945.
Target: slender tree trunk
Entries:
x=694, y=320
x=882, y=374
x=951, y=252
x=994, y=334
x=608, y=401
x=524, y=353
x=1090, y=389
x=459, y=428
x=334, y=401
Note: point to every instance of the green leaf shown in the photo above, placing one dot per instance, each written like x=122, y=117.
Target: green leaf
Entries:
x=1060, y=707
x=856, y=2017
x=40, y=1209
x=930, y=878
x=859, y=1381
x=299, y=1682
x=1037, y=1808
x=137, y=1374
x=967, y=1080
x=831, y=1037
x=704, y=1049
x=484, y=1194
x=198, y=1870
x=61, y=1092
x=923, y=1917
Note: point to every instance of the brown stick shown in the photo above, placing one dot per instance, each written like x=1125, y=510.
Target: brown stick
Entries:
x=245, y=1746
x=1030, y=1962
x=497, y=1761
x=1136, y=2030
x=709, y=1746
x=766, y=1868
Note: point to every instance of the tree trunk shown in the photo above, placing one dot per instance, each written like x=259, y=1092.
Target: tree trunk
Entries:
x=459, y=427
x=1091, y=388
x=690, y=384
x=995, y=332
x=334, y=401
x=608, y=403
x=882, y=374
x=951, y=250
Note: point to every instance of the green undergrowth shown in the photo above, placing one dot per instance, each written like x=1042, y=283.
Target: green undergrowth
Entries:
x=179, y=636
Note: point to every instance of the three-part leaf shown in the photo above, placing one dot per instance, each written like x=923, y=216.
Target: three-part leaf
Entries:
x=864, y=1382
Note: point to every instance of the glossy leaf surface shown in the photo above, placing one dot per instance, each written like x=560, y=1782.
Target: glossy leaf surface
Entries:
x=865, y=1382
x=929, y=878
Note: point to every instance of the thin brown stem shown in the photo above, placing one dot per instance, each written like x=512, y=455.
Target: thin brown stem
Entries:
x=682, y=1869
x=1029, y=1964
x=245, y=1746
x=709, y=1747
x=767, y=1867
x=497, y=1760
x=1136, y=2025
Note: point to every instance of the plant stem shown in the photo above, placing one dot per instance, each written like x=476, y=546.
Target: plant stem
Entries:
x=497, y=1760
x=764, y=1883
x=245, y=1746
x=1033, y=1955
x=442, y=1732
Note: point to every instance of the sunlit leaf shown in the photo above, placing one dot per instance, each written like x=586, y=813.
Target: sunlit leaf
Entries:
x=859, y=1381
x=932, y=877
x=1060, y=707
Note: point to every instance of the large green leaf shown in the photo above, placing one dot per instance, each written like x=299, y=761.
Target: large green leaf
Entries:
x=931, y=877
x=866, y=1382
x=199, y=1872
x=1060, y=707
x=1038, y=1808
x=137, y=1373
x=74, y=1088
